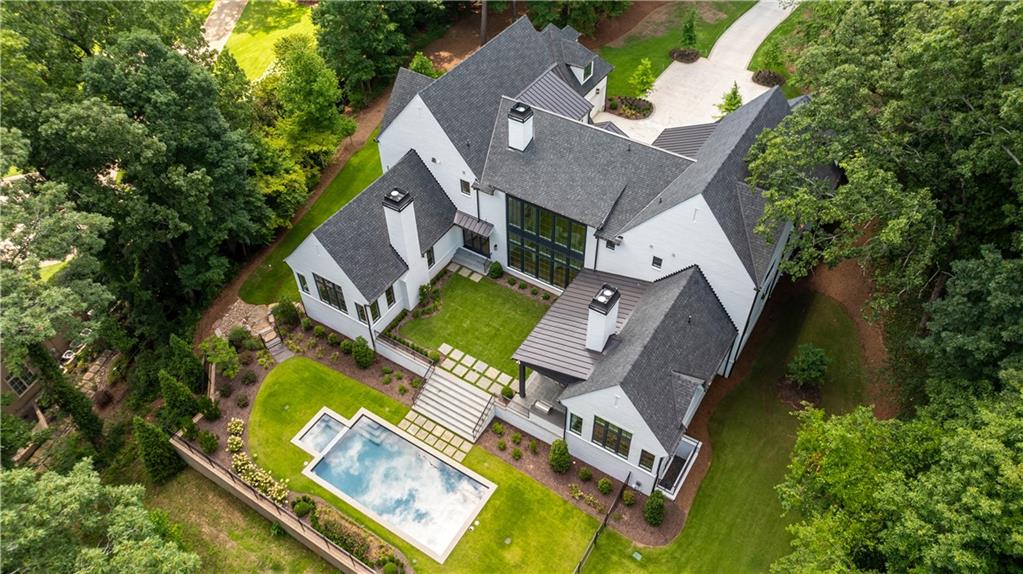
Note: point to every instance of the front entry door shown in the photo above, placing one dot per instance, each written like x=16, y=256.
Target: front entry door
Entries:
x=476, y=242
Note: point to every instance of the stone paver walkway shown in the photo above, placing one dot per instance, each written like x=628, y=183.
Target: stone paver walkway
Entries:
x=686, y=94
x=220, y=23
x=473, y=371
x=435, y=436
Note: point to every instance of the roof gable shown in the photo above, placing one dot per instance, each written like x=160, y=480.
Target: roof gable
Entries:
x=406, y=86
x=550, y=92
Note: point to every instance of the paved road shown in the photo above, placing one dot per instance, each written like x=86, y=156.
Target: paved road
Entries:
x=686, y=94
x=220, y=23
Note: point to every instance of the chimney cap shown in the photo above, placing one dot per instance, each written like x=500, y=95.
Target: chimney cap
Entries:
x=397, y=199
x=605, y=299
x=520, y=112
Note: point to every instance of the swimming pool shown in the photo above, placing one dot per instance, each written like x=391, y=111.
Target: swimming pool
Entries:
x=374, y=467
x=321, y=433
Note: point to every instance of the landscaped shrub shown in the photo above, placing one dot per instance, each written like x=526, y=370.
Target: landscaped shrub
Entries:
x=534, y=448
x=498, y=428
x=434, y=357
x=385, y=380
x=209, y=409
x=807, y=368
x=511, y=280
x=249, y=378
x=495, y=271
x=642, y=79
x=522, y=285
x=534, y=291
x=303, y=508
x=265, y=359
x=629, y=497
x=390, y=568
x=242, y=401
x=225, y=389
x=179, y=401
x=416, y=383
x=387, y=370
x=399, y=375
x=604, y=486
x=417, y=313
x=653, y=510
x=507, y=392
x=688, y=39
x=219, y=352
x=335, y=356
x=559, y=458
x=546, y=296
x=319, y=332
x=208, y=442
x=346, y=346
x=307, y=323
x=237, y=336
x=235, y=426
x=285, y=313
x=252, y=344
x=328, y=523
x=585, y=474
x=234, y=444
x=245, y=359
x=516, y=453
x=102, y=398
x=402, y=389
x=613, y=104
x=259, y=477
x=333, y=339
x=516, y=437
x=362, y=353
x=501, y=445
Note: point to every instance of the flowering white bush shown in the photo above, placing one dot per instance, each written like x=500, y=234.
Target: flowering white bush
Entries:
x=259, y=477
x=234, y=444
x=235, y=426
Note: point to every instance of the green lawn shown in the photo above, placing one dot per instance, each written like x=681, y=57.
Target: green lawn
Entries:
x=227, y=535
x=273, y=279
x=548, y=534
x=46, y=272
x=638, y=45
x=736, y=522
x=485, y=319
x=788, y=34
x=263, y=23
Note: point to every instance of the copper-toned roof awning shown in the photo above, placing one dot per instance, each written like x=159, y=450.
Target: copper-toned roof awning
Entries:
x=472, y=224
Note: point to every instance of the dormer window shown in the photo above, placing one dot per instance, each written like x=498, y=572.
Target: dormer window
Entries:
x=587, y=71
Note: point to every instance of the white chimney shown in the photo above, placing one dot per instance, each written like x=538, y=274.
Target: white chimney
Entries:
x=603, y=317
x=520, y=126
x=401, y=224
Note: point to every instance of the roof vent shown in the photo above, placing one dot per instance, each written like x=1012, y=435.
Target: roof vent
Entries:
x=520, y=126
x=397, y=199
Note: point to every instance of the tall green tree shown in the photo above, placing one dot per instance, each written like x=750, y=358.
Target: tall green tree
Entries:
x=69, y=398
x=583, y=15
x=159, y=457
x=423, y=65
x=730, y=101
x=58, y=524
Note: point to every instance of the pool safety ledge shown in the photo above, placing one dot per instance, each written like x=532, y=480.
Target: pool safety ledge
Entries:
x=346, y=425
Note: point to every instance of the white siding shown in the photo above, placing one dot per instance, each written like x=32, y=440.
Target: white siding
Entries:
x=597, y=97
x=613, y=405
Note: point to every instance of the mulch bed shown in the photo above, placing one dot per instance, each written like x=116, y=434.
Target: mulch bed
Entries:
x=629, y=108
x=768, y=78
x=627, y=520
x=793, y=395
x=685, y=55
x=534, y=292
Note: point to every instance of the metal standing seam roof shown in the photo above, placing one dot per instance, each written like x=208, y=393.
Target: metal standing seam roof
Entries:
x=685, y=140
x=356, y=236
x=470, y=223
x=550, y=92
x=558, y=342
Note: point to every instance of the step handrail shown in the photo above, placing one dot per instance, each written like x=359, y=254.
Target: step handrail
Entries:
x=426, y=381
x=476, y=430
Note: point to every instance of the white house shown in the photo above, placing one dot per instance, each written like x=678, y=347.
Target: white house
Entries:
x=651, y=247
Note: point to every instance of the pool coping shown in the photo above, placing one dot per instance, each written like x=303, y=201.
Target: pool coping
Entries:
x=307, y=471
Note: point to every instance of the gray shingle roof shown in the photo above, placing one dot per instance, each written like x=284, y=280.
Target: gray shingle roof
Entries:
x=406, y=86
x=720, y=166
x=578, y=170
x=611, y=127
x=678, y=328
x=465, y=100
x=550, y=92
x=685, y=140
x=356, y=236
x=558, y=342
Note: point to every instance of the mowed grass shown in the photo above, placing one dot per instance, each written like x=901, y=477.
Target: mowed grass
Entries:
x=547, y=534
x=273, y=279
x=789, y=37
x=656, y=46
x=227, y=535
x=263, y=23
x=46, y=272
x=736, y=522
x=485, y=319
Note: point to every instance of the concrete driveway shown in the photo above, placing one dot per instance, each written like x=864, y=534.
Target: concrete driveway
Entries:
x=686, y=94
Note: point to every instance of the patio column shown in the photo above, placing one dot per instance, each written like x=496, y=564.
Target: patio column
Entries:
x=522, y=380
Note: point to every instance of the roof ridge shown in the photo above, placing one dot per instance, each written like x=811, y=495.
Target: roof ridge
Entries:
x=707, y=281
x=745, y=229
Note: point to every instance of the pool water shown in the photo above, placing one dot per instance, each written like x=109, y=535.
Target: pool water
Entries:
x=410, y=490
x=321, y=433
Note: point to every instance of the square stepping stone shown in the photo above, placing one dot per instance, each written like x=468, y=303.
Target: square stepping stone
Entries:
x=447, y=436
x=404, y=424
x=450, y=451
x=429, y=426
x=464, y=272
x=468, y=360
x=437, y=430
x=448, y=364
x=459, y=456
x=475, y=277
x=484, y=383
x=460, y=370
x=496, y=388
x=431, y=440
x=492, y=373
x=456, y=354
x=480, y=366
x=465, y=446
x=422, y=434
x=413, y=429
x=420, y=420
x=457, y=441
x=453, y=267
x=445, y=349
x=504, y=378
x=471, y=376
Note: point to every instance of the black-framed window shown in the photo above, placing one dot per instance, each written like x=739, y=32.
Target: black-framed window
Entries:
x=19, y=385
x=610, y=245
x=646, y=460
x=429, y=257
x=588, y=71
x=302, y=284
x=465, y=187
x=374, y=310
x=330, y=293
x=575, y=424
x=361, y=310
x=656, y=262
x=389, y=296
x=611, y=437
x=543, y=244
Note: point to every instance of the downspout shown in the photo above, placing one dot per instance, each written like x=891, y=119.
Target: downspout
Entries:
x=596, y=252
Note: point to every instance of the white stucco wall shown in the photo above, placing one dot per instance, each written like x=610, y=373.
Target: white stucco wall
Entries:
x=416, y=128
x=613, y=405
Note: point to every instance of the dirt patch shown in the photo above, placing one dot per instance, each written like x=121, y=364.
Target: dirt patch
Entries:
x=796, y=397
x=654, y=23
x=709, y=13
x=628, y=520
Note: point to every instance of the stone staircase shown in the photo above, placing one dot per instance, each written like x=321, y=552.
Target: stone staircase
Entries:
x=454, y=404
